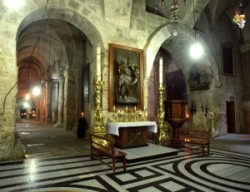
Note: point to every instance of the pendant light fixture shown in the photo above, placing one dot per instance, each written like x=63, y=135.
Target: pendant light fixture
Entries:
x=174, y=9
x=239, y=15
x=196, y=49
x=37, y=89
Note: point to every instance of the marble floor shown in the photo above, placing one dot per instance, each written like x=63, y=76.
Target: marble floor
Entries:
x=73, y=171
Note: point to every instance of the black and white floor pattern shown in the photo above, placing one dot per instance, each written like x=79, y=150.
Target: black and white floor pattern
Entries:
x=188, y=171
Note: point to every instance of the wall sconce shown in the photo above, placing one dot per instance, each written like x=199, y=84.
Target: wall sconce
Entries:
x=186, y=112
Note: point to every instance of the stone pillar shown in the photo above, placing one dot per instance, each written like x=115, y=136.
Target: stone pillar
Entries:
x=245, y=51
x=54, y=100
x=48, y=112
x=44, y=112
x=60, y=102
x=65, y=109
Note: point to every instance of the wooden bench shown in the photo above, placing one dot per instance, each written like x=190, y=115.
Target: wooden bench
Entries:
x=102, y=146
x=192, y=137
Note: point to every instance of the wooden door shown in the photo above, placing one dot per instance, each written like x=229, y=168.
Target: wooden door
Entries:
x=231, y=128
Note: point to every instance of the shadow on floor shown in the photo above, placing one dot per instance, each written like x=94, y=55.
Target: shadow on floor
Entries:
x=43, y=141
x=239, y=143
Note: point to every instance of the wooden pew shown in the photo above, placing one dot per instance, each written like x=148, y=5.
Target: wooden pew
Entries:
x=102, y=146
x=192, y=137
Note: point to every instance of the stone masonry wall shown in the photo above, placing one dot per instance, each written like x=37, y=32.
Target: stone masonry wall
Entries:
x=103, y=22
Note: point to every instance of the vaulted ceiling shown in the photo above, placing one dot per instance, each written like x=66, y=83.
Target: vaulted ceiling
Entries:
x=202, y=16
x=189, y=13
x=191, y=10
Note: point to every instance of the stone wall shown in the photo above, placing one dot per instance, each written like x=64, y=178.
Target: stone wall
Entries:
x=125, y=23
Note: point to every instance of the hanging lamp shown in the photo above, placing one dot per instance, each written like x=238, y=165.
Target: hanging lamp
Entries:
x=196, y=50
x=239, y=16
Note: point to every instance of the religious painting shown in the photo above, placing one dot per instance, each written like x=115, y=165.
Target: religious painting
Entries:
x=199, y=78
x=125, y=77
x=86, y=83
x=227, y=59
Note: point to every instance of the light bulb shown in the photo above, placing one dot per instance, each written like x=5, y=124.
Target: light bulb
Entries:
x=36, y=91
x=26, y=105
x=175, y=33
x=196, y=50
x=13, y=4
x=27, y=96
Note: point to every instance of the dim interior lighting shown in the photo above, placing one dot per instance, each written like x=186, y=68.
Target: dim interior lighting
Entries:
x=14, y=4
x=239, y=19
x=196, y=51
x=36, y=91
x=26, y=105
x=239, y=16
x=27, y=96
x=175, y=33
x=174, y=9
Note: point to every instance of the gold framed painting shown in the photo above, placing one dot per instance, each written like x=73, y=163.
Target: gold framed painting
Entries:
x=125, y=77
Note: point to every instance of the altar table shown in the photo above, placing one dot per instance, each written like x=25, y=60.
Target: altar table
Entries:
x=131, y=134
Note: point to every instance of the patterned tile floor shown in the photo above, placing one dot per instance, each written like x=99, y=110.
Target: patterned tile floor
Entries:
x=58, y=162
x=187, y=171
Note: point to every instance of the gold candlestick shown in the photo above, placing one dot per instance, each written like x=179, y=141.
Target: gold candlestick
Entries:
x=98, y=114
x=163, y=136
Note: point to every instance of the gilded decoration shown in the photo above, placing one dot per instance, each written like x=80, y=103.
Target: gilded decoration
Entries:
x=128, y=115
x=163, y=137
x=98, y=114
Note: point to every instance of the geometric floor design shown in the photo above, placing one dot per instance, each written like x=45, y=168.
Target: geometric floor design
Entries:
x=188, y=171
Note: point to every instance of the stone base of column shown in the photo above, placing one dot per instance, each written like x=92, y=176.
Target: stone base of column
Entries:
x=58, y=125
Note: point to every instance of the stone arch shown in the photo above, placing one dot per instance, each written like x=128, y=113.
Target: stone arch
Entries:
x=75, y=17
x=162, y=34
x=29, y=67
x=36, y=51
x=34, y=64
x=77, y=20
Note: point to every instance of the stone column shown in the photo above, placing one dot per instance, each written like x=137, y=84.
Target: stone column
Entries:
x=48, y=110
x=60, y=102
x=44, y=112
x=65, y=109
x=54, y=100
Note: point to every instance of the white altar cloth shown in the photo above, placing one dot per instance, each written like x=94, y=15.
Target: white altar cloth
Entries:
x=113, y=127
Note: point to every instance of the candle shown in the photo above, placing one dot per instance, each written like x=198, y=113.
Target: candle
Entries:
x=114, y=108
x=186, y=111
x=161, y=71
x=135, y=108
x=98, y=63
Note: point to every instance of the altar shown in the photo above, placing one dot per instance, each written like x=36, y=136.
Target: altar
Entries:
x=131, y=134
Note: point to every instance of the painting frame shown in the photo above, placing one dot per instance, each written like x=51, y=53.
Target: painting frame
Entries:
x=200, y=77
x=126, y=69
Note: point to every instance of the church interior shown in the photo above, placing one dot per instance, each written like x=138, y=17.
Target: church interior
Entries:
x=140, y=70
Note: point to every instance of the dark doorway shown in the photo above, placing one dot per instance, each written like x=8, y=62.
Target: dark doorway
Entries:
x=231, y=117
